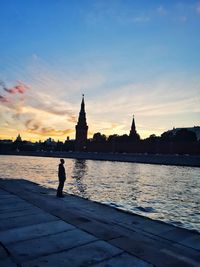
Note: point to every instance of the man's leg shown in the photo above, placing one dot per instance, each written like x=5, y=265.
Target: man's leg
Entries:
x=60, y=188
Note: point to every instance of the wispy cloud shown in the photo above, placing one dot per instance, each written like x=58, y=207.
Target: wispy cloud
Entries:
x=48, y=107
x=32, y=124
x=152, y=103
x=117, y=11
x=4, y=100
x=50, y=131
x=184, y=11
x=198, y=8
x=20, y=87
x=162, y=11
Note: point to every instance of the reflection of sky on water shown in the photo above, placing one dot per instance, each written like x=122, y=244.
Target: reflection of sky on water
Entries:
x=168, y=193
x=78, y=173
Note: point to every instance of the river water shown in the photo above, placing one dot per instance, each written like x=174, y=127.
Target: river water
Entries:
x=166, y=193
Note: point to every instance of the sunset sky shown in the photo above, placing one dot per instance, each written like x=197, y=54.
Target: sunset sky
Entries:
x=128, y=57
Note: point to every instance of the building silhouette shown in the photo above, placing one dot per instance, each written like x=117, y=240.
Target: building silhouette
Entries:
x=175, y=141
x=133, y=133
x=81, y=129
x=195, y=129
x=18, y=138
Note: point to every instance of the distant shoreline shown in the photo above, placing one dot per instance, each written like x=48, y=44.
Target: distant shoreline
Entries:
x=177, y=160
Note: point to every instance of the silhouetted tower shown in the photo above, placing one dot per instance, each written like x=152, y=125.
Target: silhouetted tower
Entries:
x=81, y=129
x=18, y=139
x=133, y=133
x=17, y=143
x=133, y=129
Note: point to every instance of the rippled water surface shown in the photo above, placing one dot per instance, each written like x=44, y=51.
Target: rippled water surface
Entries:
x=167, y=193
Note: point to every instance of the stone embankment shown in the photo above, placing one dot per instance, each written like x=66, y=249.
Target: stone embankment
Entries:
x=38, y=229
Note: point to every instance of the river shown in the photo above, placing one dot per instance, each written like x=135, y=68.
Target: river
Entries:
x=167, y=193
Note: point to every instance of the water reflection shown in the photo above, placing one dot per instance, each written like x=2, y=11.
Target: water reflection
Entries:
x=168, y=193
x=79, y=171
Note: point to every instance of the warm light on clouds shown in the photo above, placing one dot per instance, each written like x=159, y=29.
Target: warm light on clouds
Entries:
x=127, y=57
x=40, y=114
x=4, y=99
x=45, y=110
x=49, y=131
x=45, y=115
x=150, y=102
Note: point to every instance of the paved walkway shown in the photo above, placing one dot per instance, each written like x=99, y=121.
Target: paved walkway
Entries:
x=37, y=229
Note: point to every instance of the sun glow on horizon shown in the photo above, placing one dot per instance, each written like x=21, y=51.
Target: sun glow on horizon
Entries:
x=128, y=58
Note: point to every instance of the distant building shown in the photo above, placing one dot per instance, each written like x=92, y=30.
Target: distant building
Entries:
x=133, y=133
x=49, y=140
x=195, y=129
x=6, y=141
x=81, y=129
x=18, y=139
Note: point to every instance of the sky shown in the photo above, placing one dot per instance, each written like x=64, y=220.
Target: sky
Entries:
x=128, y=57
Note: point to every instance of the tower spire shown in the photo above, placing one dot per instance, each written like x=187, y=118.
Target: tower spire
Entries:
x=133, y=133
x=81, y=128
x=82, y=104
x=133, y=129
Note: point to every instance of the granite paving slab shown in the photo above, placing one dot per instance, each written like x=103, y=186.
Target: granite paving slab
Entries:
x=165, y=256
x=11, y=201
x=192, y=242
x=123, y=260
x=8, y=196
x=34, y=231
x=3, y=253
x=26, y=220
x=3, y=193
x=179, y=234
x=14, y=207
x=7, y=262
x=85, y=255
x=34, y=248
x=24, y=212
x=100, y=230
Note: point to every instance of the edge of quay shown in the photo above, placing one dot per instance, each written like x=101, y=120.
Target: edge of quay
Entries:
x=107, y=235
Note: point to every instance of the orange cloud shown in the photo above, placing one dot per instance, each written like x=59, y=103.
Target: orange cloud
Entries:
x=49, y=131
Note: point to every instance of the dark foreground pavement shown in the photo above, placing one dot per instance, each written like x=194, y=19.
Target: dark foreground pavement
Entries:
x=37, y=229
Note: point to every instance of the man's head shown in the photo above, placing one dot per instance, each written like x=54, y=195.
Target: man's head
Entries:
x=62, y=161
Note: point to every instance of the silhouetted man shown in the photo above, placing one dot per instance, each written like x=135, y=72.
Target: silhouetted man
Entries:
x=61, y=177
